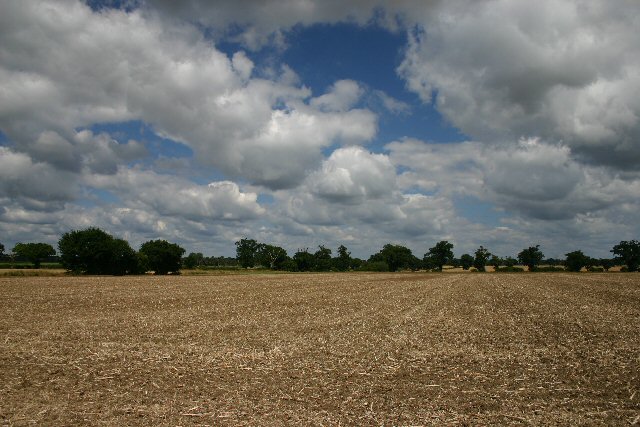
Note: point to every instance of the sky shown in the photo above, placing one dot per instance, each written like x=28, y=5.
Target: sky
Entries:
x=302, y=123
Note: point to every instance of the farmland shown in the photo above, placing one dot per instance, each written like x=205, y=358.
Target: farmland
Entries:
x=321, y=349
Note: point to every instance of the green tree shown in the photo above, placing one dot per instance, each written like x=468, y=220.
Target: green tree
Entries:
x=607, y=263
x=396, y=257
x=482, y=256
x=440, y=254
x=193, y=260
x=124, y=260
x=304, y=260
x=531, y=257
x=495, y=261
x=246, y=252
x=162, y=257
x=576, y=260
x=357, y=263
x=93, y=251
x=343, y=261
x=510, y=261
x=628, y=253
x=322, y=259
x=374, y=265
x=466, y=261
x=271, y=256
x=34, y=252
x=86, y=251
x=1, y=249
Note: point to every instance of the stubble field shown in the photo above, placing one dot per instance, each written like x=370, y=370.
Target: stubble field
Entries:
x=326, y=349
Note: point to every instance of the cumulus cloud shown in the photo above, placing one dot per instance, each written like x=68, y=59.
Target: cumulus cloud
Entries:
x=538, y=180
x=97, y=153
x=175, y=197
x=352, y=175
x=263, y=22
x=546, y=91
x=356, y=193
x=392, y=104
x=78, y=68
x=342, y=96
x=36, y=185
x=565, y=72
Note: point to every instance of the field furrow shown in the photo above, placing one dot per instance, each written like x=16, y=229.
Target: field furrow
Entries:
x=321, y=349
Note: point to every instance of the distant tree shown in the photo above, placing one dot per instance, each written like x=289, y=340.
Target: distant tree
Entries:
x=628, y=253
x=373, y=265
x=509, y=261
x=466, y=261
x=576, y=260
x=357, y=263
x=322, y=259
x=124, y=260
x=531, y=257
x=93, y=251
x=415, y=263
x=552, y=261
x=343, y=261
x=481, y=259
x=304, y=260
x=86, y=251
x=456, y=262
x=396, y=257
x=495, y=261
x=34, y=252
x=606, y=263
x=193, y=260
x=162, y=257
x=1, y=249
x=221, y=261
x=246, y=252
x=428, y=263
x=440, y=254
x=271, y=256
x=289, y=265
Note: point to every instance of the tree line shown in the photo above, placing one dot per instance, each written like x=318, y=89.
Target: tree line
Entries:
x=251, y=253
x=94, y=251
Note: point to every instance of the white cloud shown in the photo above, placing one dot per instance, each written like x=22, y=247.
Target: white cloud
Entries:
x=537, y=180
x=342, y=96
x=565, y=72
x=351, y=175
x=262, y=22
x=355, y=196
x=392, y=104
x=36, y=185
x=170, y=196
x=78, y=68
x=547, y=91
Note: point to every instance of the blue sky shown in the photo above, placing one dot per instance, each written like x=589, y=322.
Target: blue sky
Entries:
x=496, y=123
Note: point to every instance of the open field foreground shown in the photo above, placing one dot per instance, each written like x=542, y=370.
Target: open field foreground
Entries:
x=326, y=349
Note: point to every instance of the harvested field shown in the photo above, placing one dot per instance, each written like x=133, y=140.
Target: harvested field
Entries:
x=326, y=349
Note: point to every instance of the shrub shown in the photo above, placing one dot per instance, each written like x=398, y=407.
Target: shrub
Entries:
x=374, y=266
x=289, y=265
